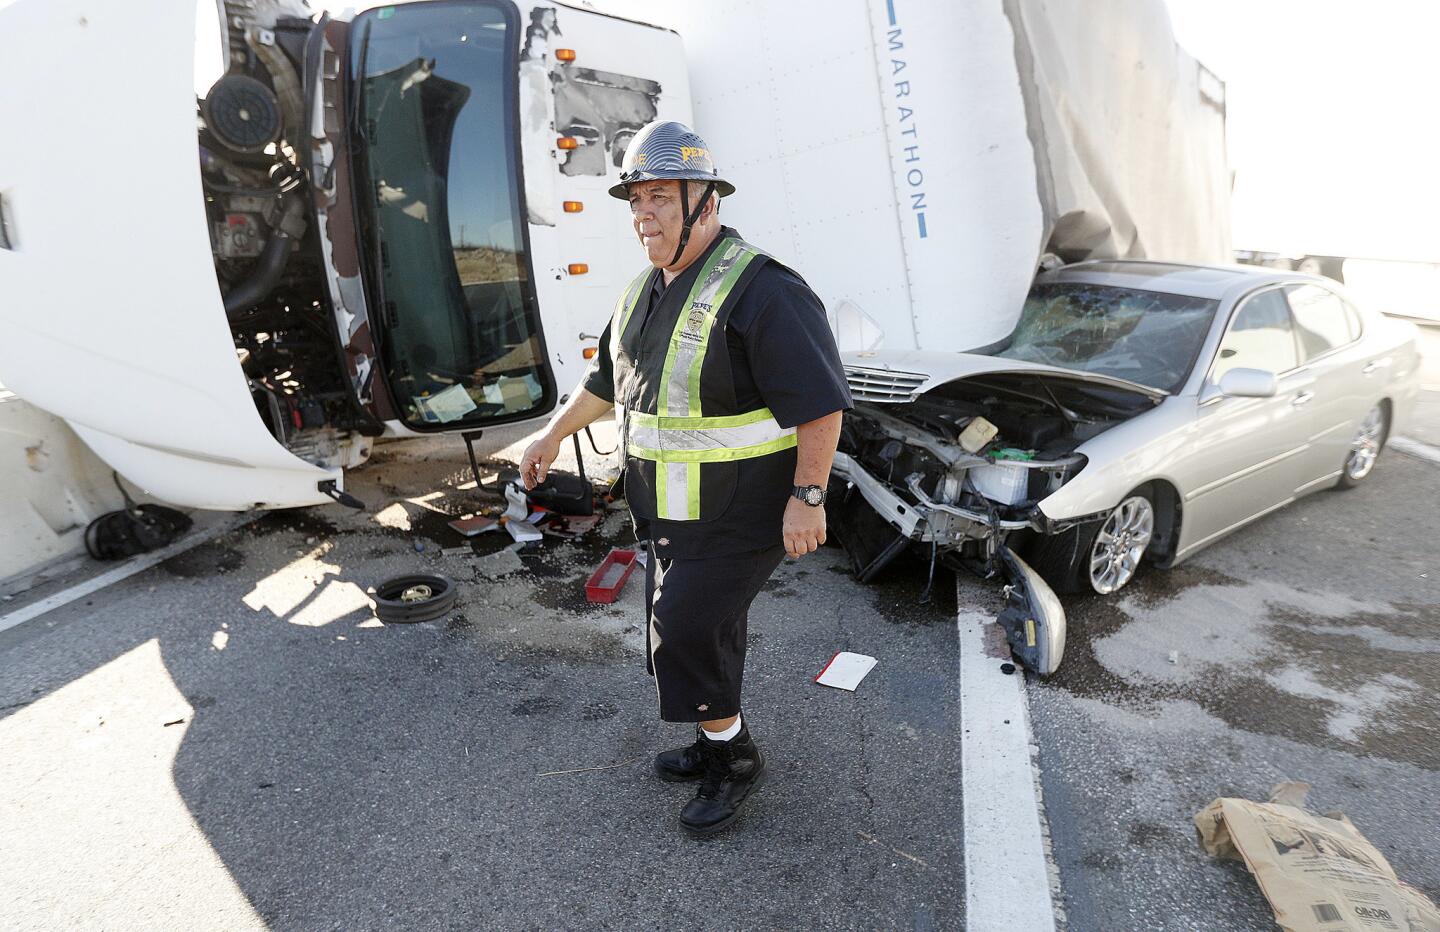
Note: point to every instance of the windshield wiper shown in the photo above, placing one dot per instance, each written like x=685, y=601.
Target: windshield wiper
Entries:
x=357, y=100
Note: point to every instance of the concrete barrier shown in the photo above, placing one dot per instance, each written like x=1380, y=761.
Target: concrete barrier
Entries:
x=51, y=487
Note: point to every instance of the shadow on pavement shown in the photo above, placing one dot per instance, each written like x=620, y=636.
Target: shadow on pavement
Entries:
x=350, y=775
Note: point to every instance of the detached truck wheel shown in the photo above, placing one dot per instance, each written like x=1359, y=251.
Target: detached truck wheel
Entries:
x=408, y=599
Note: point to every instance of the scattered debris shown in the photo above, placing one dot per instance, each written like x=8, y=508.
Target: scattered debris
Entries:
x=904, y=854
x=845, y=670
x=178, y=721
x=500, y=563
x=523, y=532
x=568, y=527
x=1318, y=872
x=1174, y=656
x=516, y=517
x=517, y=506
x=1008, y=669
x=623, y=763
x=474, y=525
x=133, y=529
x=609, y=578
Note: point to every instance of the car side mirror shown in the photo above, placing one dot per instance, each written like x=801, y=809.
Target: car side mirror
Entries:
x=1249, y=383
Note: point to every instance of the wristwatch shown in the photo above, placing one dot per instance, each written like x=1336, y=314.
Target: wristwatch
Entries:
x=812, y=495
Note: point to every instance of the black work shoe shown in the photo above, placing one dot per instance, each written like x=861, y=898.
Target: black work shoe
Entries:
x=733, y=770
x=682, y=764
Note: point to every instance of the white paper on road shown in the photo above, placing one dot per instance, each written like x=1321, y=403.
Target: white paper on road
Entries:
x=523, y=531
x=845, y=670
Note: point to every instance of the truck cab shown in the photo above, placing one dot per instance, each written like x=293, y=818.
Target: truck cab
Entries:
x=395, y=224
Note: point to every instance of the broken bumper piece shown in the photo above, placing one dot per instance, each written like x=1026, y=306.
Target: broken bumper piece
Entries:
x=1033, y=618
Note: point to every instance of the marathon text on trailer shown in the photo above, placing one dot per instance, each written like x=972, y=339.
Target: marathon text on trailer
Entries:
x=909, y=143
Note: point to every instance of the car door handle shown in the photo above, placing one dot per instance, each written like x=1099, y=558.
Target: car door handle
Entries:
x=1303, y=398
x=1373, y=365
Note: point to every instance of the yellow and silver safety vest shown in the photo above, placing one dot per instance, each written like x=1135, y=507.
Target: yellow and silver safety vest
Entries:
x=675, y=395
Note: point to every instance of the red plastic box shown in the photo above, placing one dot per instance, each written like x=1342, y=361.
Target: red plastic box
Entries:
x=605, y=583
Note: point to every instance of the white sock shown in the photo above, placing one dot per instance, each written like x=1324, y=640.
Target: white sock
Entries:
x=725, y=735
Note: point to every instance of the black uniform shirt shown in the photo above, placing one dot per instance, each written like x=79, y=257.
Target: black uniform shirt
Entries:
x=782, y=357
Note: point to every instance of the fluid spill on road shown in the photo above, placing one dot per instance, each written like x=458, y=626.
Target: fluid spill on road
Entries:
x=1322, y=668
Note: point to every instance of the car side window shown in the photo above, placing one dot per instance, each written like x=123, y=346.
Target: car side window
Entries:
x=1260, y=337
x=1357, y=327
x=1320, y=319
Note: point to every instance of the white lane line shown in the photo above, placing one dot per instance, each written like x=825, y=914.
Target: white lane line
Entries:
x=1007, y=877
x=1415, y=448
x=125, y=570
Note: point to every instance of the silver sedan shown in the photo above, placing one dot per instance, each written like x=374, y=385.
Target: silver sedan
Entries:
x=1139, y=412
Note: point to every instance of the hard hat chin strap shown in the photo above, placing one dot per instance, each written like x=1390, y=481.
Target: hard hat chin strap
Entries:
x=690, y=216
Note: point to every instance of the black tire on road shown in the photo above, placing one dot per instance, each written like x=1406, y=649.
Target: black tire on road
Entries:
x=408, y=599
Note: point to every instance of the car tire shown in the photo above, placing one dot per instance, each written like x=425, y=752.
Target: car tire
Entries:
x=1066, y=559
x=1365, y=447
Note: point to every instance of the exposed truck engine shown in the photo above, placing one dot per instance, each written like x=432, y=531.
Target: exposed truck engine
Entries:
x=262, y=201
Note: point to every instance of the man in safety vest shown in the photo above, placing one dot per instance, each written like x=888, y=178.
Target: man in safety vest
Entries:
x=729, y=391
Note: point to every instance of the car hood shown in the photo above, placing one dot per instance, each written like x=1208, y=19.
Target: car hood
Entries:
x=897, y=376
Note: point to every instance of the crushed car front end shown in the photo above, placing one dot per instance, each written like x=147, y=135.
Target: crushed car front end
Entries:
x=958, y=451
x=954, y=455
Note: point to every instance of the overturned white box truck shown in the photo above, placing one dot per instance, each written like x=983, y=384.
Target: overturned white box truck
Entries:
x=230, y=282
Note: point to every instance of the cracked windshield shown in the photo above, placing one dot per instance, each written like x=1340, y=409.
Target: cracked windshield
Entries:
x=449, y=274
x=1148, y=337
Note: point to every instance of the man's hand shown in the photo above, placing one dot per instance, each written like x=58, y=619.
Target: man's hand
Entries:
x=804, y=528
x=582, y=408
x=535, y=464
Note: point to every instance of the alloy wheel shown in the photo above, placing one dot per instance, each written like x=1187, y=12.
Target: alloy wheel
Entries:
x=1365, y=448
x=1120, y=544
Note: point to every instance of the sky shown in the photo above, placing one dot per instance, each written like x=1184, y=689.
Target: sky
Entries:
x=1333, y=121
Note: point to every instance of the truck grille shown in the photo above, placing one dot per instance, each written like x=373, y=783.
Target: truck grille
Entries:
x=883, y=385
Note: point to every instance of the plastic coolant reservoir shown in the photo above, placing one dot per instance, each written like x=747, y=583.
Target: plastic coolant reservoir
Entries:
x=976, y=434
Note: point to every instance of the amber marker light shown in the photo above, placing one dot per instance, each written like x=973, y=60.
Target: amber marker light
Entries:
x=590, y=351
x=567, y=142
x=564, y=54
x=578, y=268
x=572, y=207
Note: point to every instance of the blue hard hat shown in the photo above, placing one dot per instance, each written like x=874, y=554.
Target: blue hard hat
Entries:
x=668, y=151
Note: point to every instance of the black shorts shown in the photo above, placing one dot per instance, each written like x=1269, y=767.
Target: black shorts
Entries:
x=695, y=639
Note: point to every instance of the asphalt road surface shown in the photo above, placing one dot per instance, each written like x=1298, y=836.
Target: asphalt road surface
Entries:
x=1307, y=648
x=230, y=741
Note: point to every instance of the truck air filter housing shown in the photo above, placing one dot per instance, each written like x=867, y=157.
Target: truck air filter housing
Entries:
x=242, y=113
